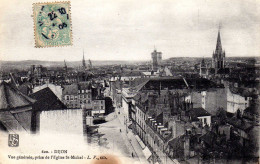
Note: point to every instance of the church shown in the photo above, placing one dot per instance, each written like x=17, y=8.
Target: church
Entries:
x=218, y=63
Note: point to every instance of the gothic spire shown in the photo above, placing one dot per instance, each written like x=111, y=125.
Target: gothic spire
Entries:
x=83, y=61
x=65, y=65
x=218, y=46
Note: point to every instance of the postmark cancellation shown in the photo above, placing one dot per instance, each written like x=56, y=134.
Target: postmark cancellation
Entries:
x=52, y=24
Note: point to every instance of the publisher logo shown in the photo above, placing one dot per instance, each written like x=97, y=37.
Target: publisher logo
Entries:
x=13, y=140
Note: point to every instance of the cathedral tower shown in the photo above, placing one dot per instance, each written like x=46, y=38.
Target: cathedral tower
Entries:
x=218, y=57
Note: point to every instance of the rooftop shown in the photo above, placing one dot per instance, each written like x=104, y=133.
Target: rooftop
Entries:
x=70, y=89
x=11, y=98
x=47, y=100
x=198, y=112
x=180, y=83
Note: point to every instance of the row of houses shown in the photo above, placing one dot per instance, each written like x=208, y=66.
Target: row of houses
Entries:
x=84, y=95
x=20, y=110
x=172, y=117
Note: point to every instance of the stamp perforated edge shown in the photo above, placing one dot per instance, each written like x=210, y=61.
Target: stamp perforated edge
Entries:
x=34, y=24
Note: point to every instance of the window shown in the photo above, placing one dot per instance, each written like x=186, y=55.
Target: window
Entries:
x=205, y=121
x=101, y=107
x=82, y=91
x=89, y=101
x=67, y=97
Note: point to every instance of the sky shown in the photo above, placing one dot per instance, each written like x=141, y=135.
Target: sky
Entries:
x=130, y=29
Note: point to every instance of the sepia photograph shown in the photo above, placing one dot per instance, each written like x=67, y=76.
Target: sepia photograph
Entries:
x=129, y=81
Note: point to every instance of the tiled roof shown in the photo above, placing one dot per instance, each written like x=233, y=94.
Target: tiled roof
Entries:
x=179, y=83
x=25, y=88
x=84, y=85
x=198, y=112
x=140, y=86
x=11, y=97
x=70, y=89
x=142, y=97
x=132, y=73
x=47, y=100
x=209, y=138
x=177, y=142
x=240, y=123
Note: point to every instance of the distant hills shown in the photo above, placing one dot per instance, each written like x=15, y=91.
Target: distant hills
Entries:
x=25, y=64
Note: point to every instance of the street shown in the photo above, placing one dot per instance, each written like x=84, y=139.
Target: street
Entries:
x=118, y=139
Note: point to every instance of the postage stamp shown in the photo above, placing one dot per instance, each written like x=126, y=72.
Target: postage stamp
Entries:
x=13, y=140
x=52, y=24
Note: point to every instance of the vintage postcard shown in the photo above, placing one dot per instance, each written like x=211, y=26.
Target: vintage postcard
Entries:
x=129, y=81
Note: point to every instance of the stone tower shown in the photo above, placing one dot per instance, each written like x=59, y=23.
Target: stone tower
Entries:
x=156, y=59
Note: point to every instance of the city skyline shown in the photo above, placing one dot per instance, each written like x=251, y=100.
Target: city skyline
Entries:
x=177, y=29
x=130, y=81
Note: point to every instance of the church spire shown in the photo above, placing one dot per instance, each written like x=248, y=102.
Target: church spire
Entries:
x=83, y=61
x=218, y=59
x=65, y=65
x=219, y=46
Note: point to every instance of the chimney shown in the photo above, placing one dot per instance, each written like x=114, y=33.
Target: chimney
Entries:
x=186, y=146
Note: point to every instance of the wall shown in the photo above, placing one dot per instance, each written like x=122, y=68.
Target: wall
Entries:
x=18, y=121
x=140, y=123
x=125, y=106
x=76, y=101
x=216, y=99
x=207, y=122
x=98, y=107
x=235, y=102
x=213, y=99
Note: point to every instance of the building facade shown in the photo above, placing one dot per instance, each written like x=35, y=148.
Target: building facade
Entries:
x=77, y=96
